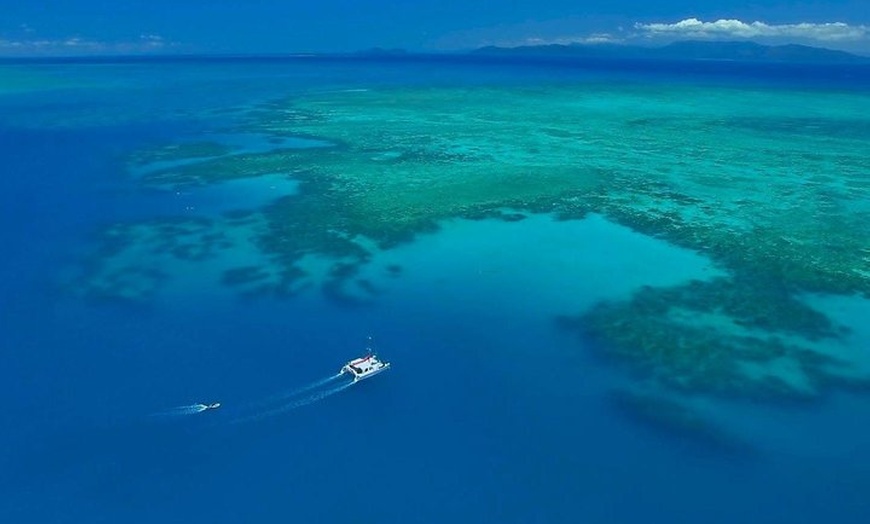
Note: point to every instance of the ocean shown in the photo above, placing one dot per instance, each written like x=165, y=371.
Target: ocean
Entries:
x=608, y=291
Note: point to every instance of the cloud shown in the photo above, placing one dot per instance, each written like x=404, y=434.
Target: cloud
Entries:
x=152, y=40
x=832, y=34
x=146, y=43
x=600, y=38
x=594, y=38
x=694, y=28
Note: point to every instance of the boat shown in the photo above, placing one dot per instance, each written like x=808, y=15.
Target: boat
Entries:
x=212, y=406
x=364, y=367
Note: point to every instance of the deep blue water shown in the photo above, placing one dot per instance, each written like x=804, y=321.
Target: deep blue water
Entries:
x=468, y=426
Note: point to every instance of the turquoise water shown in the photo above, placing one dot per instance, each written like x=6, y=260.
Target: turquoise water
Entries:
x=539, y=250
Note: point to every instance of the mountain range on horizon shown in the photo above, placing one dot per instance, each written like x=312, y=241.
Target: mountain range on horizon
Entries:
x=735, y=51
x=683, y=50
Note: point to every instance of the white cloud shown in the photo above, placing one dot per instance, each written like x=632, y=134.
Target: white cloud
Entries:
x=82, y=46
x=600, y=38
x=594, y=38
x=694, y=28
x=152, y=40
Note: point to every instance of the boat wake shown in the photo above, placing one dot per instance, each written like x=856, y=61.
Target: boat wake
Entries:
x=181, y=411
x=293, y=393
x=303, y=396
x=351, y=373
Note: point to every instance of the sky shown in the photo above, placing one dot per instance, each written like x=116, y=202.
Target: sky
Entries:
x=78, y=27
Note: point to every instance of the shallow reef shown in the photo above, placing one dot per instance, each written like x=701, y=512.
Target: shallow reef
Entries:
x=409, y=158
x=198, y=171
x=775, y=200
x=135, y=260
x=726, y=337
x=177, y=152
x=675, y=417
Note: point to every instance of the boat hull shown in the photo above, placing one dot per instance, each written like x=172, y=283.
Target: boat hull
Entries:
x=367, y=374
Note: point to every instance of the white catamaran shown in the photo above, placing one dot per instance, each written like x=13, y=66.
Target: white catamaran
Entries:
x=364, y=367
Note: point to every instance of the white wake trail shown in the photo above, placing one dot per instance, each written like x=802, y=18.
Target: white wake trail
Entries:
x=310, y=398
x=181, y=411
x=289, y=394
x=298, y=391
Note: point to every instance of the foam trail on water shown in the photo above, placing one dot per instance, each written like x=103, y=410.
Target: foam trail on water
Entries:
x=310, y=398
x=285, y=396
x=303, y=389
x=181, y=411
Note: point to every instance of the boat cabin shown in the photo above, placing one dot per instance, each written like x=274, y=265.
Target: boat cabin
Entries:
x=365, y=367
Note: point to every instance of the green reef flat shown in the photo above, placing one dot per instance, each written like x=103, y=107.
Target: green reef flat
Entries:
x=771, y=185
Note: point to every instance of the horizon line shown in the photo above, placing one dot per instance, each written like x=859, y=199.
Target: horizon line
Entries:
x=379, y=52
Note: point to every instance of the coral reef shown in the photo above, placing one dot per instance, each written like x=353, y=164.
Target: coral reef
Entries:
x=777, y=201
x=178, y=152
x=725, y=337
x=676, y=418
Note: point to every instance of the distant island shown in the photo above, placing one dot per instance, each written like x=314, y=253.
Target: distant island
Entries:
x=686, y=50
